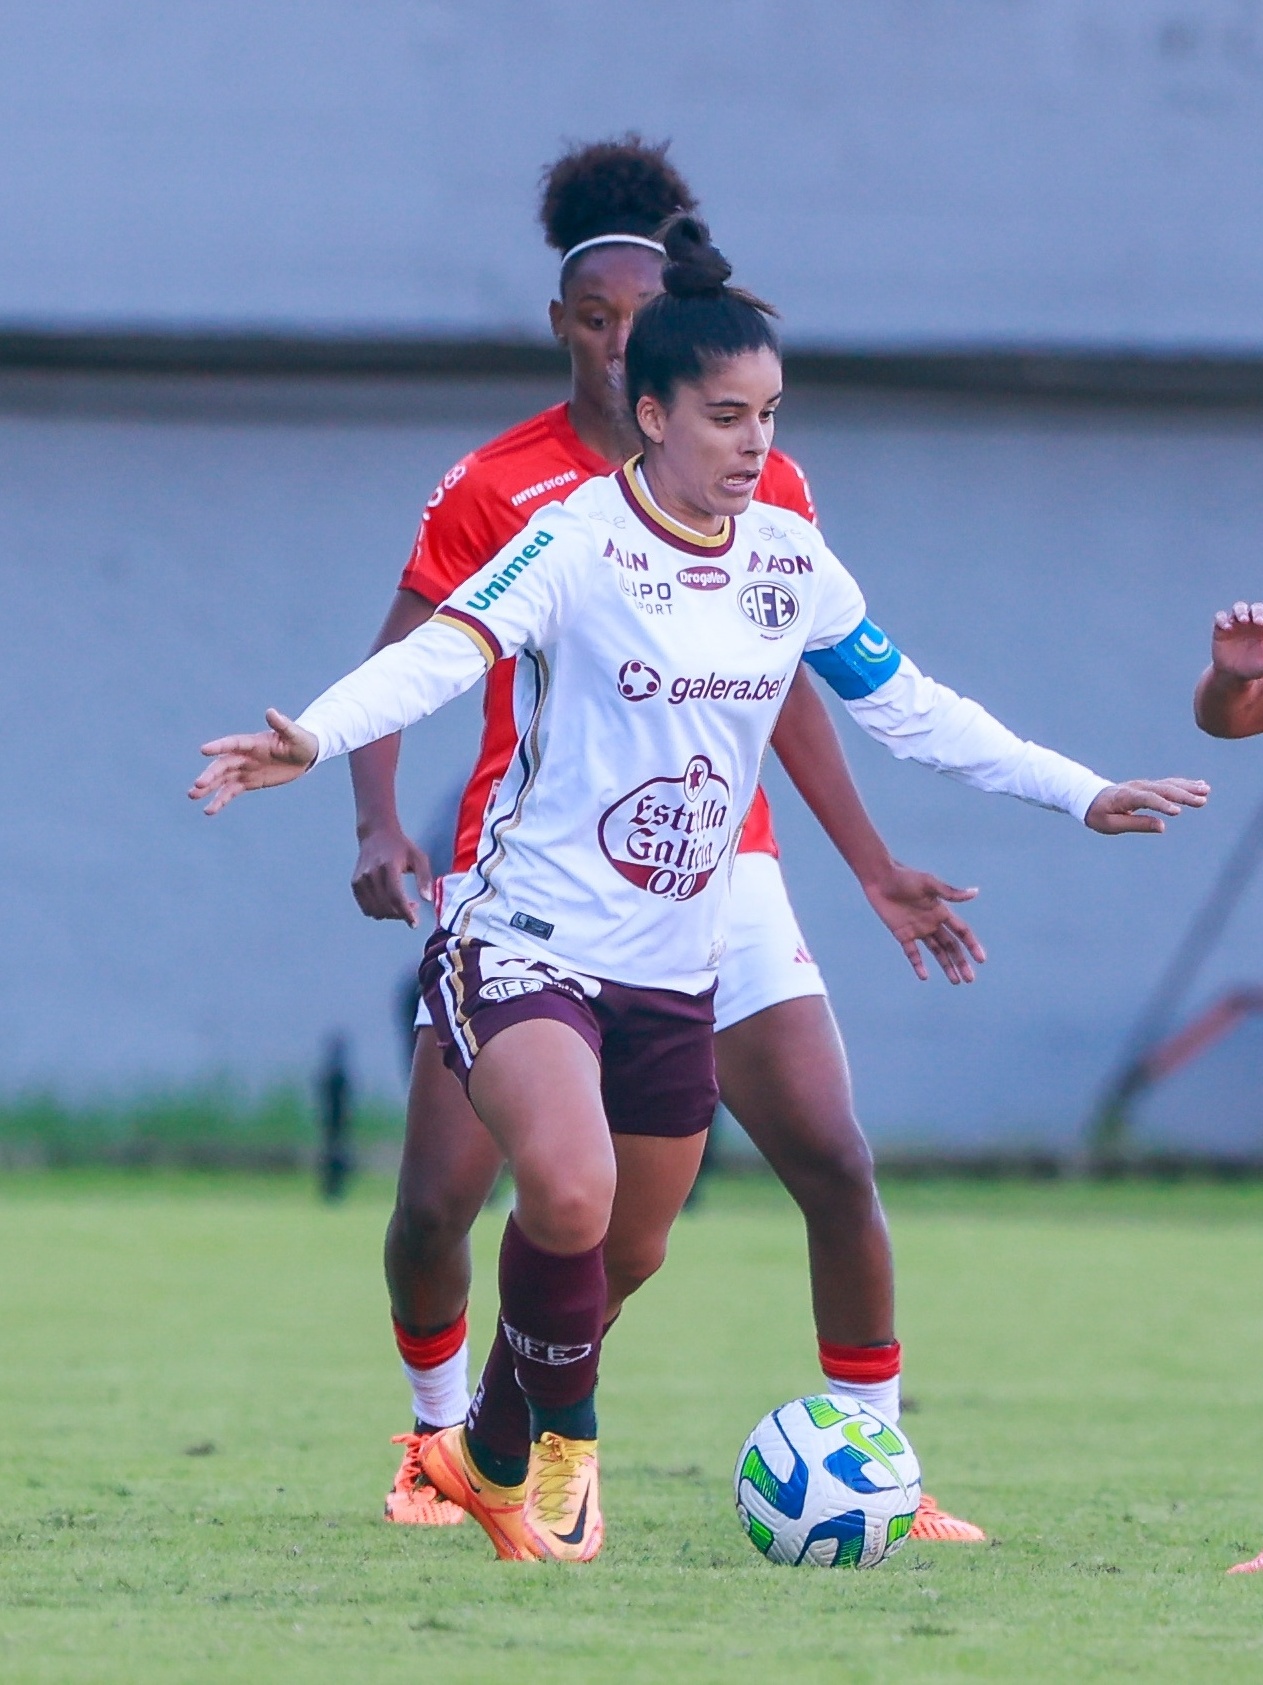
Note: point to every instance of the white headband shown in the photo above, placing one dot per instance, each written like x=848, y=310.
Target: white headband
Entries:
x=614, y=240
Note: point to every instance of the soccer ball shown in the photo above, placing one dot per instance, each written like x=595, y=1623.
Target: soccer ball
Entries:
x=827, y=1481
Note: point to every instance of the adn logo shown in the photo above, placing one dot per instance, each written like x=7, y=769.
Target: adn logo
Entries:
x=637, y=683
x=703, y=579
x=779, y=564
x=773, y=607
x=625, y=559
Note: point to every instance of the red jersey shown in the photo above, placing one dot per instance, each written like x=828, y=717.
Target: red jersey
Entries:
x=483, y=502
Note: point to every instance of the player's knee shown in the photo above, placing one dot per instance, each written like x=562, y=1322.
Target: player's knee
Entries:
x=565, y=1218
x=834, y=1171
x=628, y=1268
x=426, y=1225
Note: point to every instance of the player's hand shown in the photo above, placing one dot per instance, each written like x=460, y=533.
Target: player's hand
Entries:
x=913, y=907
x=387, y=856
x=1135, y=806
x=254, y=761
x=1236, y=644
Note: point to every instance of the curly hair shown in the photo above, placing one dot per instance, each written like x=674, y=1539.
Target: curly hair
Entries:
x=610, y=187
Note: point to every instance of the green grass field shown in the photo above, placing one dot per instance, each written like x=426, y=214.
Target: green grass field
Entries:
x=197, y=1392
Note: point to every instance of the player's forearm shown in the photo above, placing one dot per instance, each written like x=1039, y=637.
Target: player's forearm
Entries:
x=919, y=719
x=393, y=689
x=373, y=770
x=1226, y=706
x=807, y=746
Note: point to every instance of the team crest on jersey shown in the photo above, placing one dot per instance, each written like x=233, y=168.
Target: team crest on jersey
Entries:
x=668, y=835
x=637, y=682
x=773, y=607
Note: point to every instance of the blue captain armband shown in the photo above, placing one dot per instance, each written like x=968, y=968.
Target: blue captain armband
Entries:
x=859, y=664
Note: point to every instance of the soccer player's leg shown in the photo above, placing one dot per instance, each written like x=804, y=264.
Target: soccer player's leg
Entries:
x=783, y=1074
x=537, y=1086
x=449, y=1167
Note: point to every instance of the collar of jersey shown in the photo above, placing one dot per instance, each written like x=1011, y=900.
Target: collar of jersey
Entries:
x=661, y=524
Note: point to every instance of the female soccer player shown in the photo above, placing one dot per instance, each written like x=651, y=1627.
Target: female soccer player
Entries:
x=602, y=205
x=573, y=970
x=1228, y=702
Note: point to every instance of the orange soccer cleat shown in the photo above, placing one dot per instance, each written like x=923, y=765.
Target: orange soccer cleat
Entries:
x=498, y=1510
x=563, y=1500
x=1253, y=1566
x=933, y=1525
x=412, y=1500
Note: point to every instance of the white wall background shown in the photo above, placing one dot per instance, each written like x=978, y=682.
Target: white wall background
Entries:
x=943, y=171
x=166, y=572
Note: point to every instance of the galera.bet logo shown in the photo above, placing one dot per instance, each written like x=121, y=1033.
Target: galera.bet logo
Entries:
x=637, y=682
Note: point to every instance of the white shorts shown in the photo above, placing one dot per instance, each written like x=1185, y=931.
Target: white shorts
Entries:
x=766, y=960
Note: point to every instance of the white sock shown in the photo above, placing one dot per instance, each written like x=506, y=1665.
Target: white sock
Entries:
x=882, y=1395
x=440, y=1396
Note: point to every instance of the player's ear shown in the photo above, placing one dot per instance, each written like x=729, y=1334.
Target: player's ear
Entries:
x=556, y=311
x=651, y=417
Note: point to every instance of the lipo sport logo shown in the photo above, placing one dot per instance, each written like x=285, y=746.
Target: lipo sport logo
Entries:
x=773, y=607
x=668, y=835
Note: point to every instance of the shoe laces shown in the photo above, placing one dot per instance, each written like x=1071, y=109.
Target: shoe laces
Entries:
x=560, y=1468
x=410, y=1468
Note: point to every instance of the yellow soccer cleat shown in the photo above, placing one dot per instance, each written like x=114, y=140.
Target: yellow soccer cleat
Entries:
x=498, y=1510
x=563, y=1501
x=412, y=1500
x=933, y=1525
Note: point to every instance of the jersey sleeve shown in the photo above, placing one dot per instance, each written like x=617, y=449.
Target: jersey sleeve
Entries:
x=521, y=598
x=463, y=525
x=919, y=719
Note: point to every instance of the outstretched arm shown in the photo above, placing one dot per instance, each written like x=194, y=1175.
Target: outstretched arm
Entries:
x=387, y=853
x=911, y=904
x=1228, y=701
x=399, y=685
x=919, y=719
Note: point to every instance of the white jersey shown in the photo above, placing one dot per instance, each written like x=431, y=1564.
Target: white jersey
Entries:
x=652, y=666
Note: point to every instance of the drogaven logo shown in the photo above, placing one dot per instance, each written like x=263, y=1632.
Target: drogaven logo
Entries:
x=773, y=607
x=668, y=835
x=704, y=578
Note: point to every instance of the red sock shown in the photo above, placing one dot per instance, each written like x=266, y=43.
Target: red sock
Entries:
x=436, y=1366
x=867, y=1373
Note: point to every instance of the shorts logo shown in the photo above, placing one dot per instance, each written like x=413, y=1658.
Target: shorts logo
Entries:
x=636, y=682
x=509, y=988
x=704, y=578
x=773, y=607
x=543, y=1351
x=668, y=835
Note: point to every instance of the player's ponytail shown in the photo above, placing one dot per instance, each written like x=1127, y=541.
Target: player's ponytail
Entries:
x=698, y=319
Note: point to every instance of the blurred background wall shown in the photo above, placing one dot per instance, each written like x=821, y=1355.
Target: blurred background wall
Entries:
x=178, y=551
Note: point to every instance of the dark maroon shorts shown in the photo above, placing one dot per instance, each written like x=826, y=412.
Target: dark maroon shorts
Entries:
x=656, y=1047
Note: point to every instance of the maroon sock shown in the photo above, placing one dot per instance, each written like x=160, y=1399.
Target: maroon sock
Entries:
x=551, y=1311
x=499, y=1419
